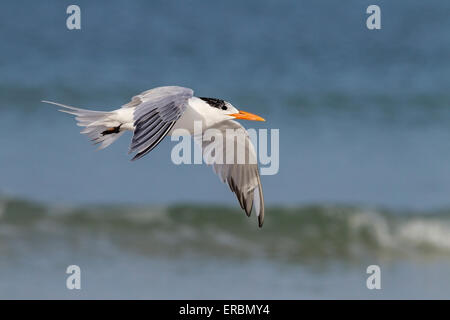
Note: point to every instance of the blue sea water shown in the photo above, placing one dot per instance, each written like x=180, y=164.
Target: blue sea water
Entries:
x=364, y=120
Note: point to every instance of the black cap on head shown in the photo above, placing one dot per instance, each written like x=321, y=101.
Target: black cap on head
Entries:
x=215, y=103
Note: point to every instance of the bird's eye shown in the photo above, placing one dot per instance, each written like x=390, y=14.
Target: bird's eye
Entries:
x=224, y=108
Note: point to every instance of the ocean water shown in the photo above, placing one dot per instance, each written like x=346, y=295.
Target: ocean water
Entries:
x=364, y=120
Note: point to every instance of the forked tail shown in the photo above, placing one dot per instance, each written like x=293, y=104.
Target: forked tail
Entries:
x=100, y=126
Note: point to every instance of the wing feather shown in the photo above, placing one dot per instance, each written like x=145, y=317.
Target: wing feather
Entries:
x=157, y=111
x=242, y=179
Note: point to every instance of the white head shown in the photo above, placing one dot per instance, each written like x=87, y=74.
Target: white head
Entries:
x=224, y=110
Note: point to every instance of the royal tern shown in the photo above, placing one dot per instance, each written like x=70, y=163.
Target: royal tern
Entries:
x=158, y=112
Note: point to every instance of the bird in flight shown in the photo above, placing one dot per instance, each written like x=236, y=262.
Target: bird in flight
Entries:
x=158, y=112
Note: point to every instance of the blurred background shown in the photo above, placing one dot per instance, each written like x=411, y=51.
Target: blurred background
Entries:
x=364, y=119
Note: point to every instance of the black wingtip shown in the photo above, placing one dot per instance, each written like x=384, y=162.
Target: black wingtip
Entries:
x=260, y=221
x=247, y=211
x=136, y=157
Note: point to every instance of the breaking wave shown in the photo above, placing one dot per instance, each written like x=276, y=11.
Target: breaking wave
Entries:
x=314, y=232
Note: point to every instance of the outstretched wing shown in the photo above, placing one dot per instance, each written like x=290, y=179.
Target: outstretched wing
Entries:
x=241, y=173
x=157, y=111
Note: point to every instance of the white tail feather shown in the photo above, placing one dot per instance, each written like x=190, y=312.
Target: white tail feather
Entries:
x=95, y=123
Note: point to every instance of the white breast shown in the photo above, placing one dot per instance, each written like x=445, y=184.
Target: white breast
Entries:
x=197, y=110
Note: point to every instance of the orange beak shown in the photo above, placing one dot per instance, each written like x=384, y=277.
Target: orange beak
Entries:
x=247, y=116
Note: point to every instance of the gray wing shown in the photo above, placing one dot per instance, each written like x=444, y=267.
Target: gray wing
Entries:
x=157, y=111
x=242, y=177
